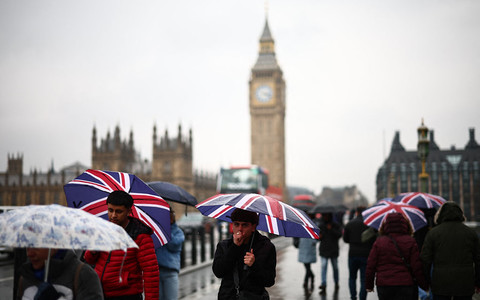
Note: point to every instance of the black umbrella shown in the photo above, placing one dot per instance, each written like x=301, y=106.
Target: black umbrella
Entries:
x=172, y=192
x=322, y=209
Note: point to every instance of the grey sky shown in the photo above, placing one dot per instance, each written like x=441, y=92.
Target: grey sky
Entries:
x=356, y=71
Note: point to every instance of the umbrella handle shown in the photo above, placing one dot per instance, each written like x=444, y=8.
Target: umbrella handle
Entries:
x=245, y=267
x=47, y=265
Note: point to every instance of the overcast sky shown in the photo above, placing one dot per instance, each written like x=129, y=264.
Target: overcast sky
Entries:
x=356, y=72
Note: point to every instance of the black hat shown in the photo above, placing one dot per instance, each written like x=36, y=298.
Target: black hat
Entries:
x=244, y=216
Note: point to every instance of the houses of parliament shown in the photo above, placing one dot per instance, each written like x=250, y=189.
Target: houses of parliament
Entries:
x=171, y=161
x=172, y=156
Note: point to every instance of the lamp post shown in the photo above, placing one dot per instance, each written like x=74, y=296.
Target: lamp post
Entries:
x=422, y=151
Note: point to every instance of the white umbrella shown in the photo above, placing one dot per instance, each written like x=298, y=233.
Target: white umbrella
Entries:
x=60, y=227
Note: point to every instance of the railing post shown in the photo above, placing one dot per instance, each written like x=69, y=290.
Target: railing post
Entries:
x=212, y=242
x=202, y=244
x=194, y=246
x=182, y=254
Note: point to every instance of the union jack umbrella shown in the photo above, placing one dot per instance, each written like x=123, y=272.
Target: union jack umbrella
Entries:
x=420, y=200
x=375, y=215
x=274, y=216
x=90, y=190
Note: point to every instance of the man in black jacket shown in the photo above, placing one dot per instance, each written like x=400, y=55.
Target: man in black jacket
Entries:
x=330, y=233
x=357, y=253
x=246, y=262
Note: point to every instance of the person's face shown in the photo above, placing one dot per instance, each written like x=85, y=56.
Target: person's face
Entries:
x=37, y=257
x=245, y=229
x=118, y=214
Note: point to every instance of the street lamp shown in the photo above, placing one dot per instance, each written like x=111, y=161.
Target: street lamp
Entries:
x=422, y=151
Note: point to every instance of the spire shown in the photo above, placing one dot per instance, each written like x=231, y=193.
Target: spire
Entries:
x=396, y=145
x=433, y=145
x=266, y=58
x=472, y=143
x=266, y=35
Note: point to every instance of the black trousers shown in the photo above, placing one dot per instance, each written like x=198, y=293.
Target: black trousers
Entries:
x=400, y=292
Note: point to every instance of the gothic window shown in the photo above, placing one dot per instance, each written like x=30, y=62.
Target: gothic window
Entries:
x=167, y=167
x=42, y=198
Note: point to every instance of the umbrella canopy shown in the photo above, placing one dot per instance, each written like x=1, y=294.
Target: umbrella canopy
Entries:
x=172, y=192
x=322, y=209
x=90, y=190
x=375, y=215
x=274, y=216
x=420, y=200
x=60, y=227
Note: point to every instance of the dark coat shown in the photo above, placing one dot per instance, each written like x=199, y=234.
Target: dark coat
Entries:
x=260, y=275
x=329, y=239
x=62, y=272
x=352, y=234
x=385, y=262
x=453, y=250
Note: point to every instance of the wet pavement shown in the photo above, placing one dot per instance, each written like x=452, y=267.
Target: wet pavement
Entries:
x=203, y=285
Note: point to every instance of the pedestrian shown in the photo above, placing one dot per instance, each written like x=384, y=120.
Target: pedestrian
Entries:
x=394, y=261
x=127, y=276
x=451, y=254
x=68, y=278
x=307, y=254
x=246, y=261
x=168, y=258
x=330, y=233
x=357, y=254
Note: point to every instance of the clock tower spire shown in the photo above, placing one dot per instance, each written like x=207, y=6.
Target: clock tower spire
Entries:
x=267, y=112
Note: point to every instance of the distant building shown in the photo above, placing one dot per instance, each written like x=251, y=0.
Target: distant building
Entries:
x=18, y=189
x=454, y=173
x=171, y=161
x=349, y=196
x=267, y=102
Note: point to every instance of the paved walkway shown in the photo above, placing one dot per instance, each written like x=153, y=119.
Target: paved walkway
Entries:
x=202, y=284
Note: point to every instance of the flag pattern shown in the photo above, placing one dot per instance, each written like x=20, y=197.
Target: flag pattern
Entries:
x=274, y=216
x=375, y=215
x=90, y=190
x=420, y=200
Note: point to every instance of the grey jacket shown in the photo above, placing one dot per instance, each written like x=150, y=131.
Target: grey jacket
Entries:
x=61, y=274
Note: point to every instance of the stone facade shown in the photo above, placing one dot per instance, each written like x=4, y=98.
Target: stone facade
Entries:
x=171, y=161
x=454, y=174
x=267, y=113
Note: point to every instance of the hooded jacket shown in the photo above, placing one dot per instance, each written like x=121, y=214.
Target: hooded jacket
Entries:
x=129, y=273
x=61, y=274
x=260, y=275
x=453, y=250
x=385, y=262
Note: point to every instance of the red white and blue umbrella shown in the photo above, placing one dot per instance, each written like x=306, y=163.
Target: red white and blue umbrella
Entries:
x=90, y=190
x=375, y=215
x=420, y=200
x=274, y=216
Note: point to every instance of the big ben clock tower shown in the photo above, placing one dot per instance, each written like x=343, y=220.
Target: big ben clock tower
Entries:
x=267, y=112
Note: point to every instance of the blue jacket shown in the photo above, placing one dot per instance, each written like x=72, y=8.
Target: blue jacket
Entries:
x=168, y=256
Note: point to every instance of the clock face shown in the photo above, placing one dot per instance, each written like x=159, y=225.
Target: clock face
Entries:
x=264, y=93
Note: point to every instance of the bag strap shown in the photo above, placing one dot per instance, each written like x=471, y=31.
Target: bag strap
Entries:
x=403, y=258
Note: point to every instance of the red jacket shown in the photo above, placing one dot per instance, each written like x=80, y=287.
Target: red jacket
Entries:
x=385, y=263
x=140, y=269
